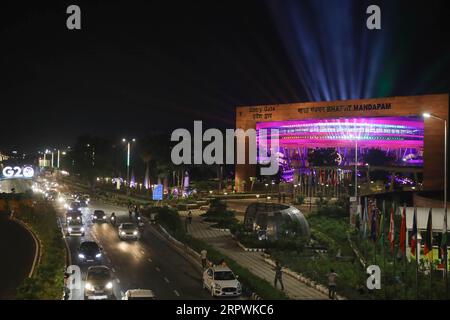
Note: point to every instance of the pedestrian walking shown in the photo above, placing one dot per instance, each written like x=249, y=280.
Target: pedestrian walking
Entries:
x=278, y=275
x=204, y=254
x=332, y=277
x=190, y=216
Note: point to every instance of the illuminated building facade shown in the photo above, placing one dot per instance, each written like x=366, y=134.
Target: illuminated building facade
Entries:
x=394, y=126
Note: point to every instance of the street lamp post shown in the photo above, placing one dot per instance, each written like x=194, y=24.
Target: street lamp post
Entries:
x=429, y=115
x=356, y=169
x=128, y=161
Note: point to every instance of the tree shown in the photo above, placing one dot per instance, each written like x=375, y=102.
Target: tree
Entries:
x=377, y=157
x=91, y=157
x=323, y=157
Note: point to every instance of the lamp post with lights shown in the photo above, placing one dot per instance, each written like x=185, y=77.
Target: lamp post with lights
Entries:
x=128, y=160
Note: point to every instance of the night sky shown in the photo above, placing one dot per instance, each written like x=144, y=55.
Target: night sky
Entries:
x=140, y=67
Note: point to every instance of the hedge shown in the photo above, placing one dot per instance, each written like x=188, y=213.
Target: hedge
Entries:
x=262, y=287
x=48, y=280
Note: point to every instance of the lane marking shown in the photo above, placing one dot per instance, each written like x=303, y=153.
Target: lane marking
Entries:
x=176, y=293
x=149, y=260
x=166, y=280
x=118, y=281
x=158, y=269
x=113, y=270
x=142, y=251
x=109, y=260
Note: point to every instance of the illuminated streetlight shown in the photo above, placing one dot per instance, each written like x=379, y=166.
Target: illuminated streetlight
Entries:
x=128, y=160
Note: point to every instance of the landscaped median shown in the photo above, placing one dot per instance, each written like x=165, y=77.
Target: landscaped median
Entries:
x=47, y=281
x=170, y=221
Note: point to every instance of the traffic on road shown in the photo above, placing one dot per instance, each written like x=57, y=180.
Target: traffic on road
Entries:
x=118, y=255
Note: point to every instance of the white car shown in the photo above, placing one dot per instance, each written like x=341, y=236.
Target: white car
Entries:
x=221, y=281
x=139, y=294
x=75, y=227
x=129, y=231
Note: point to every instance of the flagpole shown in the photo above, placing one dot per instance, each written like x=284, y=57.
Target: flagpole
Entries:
x=384, y=249
x=405, y=257
x=431, y=247
x=417, y=253
x=445, y=254
x=394, y=252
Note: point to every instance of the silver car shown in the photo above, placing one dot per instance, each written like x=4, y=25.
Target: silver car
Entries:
x=129, y=231
x=75, y=227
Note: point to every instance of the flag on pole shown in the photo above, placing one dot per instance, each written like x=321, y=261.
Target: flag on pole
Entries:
x=381, y=224
x=374, y=226
x=365, y=218
x=402, y=236
x=413, y=238
x=391, y=235
x=443, y=244
x=428, y=246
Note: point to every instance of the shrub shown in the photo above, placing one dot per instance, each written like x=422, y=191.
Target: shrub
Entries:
x=47, y=281
x=171, y=221
x=299, y=200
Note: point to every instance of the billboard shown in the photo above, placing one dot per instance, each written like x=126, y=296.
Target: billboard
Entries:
x=158, y=192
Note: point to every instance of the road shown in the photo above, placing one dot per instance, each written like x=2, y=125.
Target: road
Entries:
x=149, y=263
x=20, y=185
x=17, y=250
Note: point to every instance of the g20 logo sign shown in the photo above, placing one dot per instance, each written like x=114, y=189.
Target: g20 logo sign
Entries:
x=18, y=172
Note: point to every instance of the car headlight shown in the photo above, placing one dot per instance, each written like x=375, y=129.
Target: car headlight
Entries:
x=98, y=255
x=135, y=233
x=122, y=233
x=217, y=286
x=69, y=229
x=81, y=256
x=239, y=285
x=69, y=218
x=104, y=217
x=109, y=285
x=89, y=286
x=82, y=229
x=78, y=218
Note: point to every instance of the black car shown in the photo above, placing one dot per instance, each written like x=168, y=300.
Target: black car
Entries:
x=89, y=252
x=99, y=283
x=75, y=206
x=74, y=215
x=82, y=203
x=99, y=216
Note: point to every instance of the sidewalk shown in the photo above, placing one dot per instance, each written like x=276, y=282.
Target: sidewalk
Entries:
x=253, y=261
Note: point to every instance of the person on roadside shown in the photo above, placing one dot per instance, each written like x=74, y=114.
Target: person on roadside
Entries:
x=278, y=275
x=332, y=277
x=189, y=216
x=113, y=218
x=203, y=255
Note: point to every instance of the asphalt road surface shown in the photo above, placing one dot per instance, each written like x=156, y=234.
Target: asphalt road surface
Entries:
x=20, y=185
x=149, y=263
x=17, y=250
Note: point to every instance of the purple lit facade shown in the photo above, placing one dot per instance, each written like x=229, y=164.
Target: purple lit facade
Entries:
x=402, y=138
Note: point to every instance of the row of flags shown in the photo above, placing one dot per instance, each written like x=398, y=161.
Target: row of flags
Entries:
x=377, y=233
